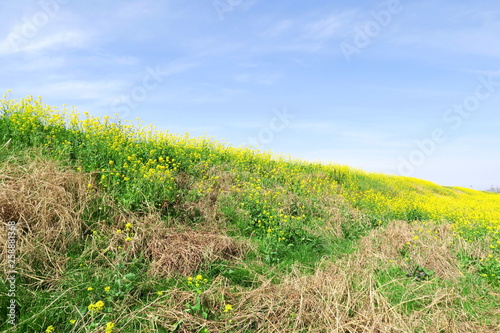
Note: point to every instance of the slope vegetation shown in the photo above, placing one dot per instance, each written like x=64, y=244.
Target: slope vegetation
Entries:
x=119, y=227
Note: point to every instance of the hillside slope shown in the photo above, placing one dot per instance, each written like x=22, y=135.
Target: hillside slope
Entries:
x=124, y=228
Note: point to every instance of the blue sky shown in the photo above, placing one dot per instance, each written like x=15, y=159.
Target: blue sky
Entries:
x=400, y=87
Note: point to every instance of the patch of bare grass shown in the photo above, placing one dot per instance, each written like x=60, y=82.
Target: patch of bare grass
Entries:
x=185, y=252
x=46, y=201
x=339, y=297
x=427, y=245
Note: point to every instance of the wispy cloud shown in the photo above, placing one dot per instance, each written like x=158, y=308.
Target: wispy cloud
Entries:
x=466, y=29
x=38, y=63
x=324, y=28
x=278, y=29
x=84, y=89
x=262, y=79
x=51, y=42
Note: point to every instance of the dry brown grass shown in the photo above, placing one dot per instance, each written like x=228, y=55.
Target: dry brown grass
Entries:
x=432, y=249
x=172, y=248
x=45, y=200
x=173, y=252
x=387, y=243
x=343, y=296
x=340, y=297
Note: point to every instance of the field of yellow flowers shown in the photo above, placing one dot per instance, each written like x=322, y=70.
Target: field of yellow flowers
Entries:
x=276, y=213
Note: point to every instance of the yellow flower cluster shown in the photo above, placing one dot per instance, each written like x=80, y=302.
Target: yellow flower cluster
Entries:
x=109, y=327
x=197, y=281
x=128, y=232
x=96, y=307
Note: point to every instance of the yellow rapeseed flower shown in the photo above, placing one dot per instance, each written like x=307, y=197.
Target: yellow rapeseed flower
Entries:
x=109, y=327
x=96, y=307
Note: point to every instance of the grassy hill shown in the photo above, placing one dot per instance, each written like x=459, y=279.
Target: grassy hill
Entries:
x=119, y=227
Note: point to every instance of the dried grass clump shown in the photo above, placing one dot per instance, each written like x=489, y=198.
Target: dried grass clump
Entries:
x=387, y=243
x=319, y=301
x=431, y=248
x=45, y=200
x=186, y=252
x=340, y=297
x=324, y=302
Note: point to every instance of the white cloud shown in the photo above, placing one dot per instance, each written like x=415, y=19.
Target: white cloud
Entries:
x=324, y=28
x=15, y=43
x=80, y=89
x=277, y=29
x=486, y=72
x=263, y=79
x=323, y=127
x=38, y=63
x=467, y=29
x=139, y=9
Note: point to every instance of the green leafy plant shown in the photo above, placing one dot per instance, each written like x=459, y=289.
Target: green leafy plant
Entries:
x=198, y=285
x=420, y=273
